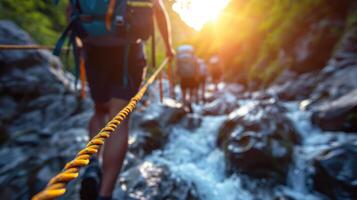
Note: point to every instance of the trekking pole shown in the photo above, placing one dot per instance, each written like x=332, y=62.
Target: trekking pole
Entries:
x=161, y=88
x=170, y=77
x=82, y=68
x=153, y=57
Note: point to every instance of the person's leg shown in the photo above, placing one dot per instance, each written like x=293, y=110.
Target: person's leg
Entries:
x=203, y=90
x=97, y=122
x=183, y=90
x=190, y=98
x=196, y=90
x=114, y=151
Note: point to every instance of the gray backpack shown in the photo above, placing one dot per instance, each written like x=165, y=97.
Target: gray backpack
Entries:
x=186, y=62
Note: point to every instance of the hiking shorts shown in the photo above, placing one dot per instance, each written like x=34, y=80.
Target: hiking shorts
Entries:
x=105, y=71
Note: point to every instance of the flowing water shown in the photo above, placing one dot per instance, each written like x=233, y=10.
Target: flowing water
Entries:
x=194, y=157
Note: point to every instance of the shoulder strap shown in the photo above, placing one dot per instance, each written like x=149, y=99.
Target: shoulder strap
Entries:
x=110, y=14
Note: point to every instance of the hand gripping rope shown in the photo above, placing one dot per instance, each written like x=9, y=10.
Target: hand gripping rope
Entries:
x=56, y=187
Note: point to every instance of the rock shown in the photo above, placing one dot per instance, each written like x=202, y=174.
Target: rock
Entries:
x=151, y=125
x=11, y=34
x=258, y=140
x=150, y=181
x=191, y=121
x=42, y=123
x=7, y=108
x=321, y=82
x=336, y=172
x=338, y=115
x=223, y=103
x=298, y=88
x=329, y=84
x=307, y=55
x=336, y=83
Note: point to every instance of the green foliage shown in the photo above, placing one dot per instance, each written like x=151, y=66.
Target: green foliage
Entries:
x=42, y=19
x=352, y=19
x=284, y=19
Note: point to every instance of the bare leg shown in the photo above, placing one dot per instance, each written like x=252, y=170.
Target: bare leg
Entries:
x=191, y=95
x=203, y=91
x=97, y=122
x=114, y=151
x=184, y=97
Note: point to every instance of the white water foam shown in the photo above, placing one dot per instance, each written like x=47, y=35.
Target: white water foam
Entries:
x=195, y=158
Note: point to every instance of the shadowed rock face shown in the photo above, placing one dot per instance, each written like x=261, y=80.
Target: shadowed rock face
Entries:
x=338, y=115
x=42, y=122
x=152, y=125
x=336, y=172
x=150, y=181
x=258, y=139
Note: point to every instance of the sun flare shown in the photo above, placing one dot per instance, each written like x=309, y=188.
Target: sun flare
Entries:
x=196, y=13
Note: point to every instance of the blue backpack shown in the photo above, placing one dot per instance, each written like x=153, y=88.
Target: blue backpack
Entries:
x=129, y=19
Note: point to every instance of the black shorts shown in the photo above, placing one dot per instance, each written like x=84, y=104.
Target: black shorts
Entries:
x=105, y=71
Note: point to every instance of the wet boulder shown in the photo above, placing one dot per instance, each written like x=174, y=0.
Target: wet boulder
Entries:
x=220, y=104
x=151, y=125
x=336, y=172
x=191, y=121
x=338, y=81
x=338, y=115
x=150, y=181
x=258, y=140
x=295, y=88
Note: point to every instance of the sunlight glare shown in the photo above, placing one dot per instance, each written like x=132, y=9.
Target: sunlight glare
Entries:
x=196, y=13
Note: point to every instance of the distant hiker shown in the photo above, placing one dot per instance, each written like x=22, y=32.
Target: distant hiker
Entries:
x=115, y=65
x=186, y=70
x=201, y=79
x=215, y=69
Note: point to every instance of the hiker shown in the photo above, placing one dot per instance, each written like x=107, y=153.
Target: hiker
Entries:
x=202, y=77
x=215, y=70
x=186, y=70
x=115, y=66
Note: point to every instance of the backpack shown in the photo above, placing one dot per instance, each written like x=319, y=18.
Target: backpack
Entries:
x=129, y=19
x=202, y=68
x=186, y=65
x=96, y=18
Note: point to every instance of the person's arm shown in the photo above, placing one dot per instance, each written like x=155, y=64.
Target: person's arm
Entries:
x=164, y=26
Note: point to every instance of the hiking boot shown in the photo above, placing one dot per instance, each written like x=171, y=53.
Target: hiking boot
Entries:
x=90, y=184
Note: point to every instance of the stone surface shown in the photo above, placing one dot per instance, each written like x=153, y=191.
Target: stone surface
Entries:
x=42, y=122
x=336, y=172
x=338, y=115
x=221, y=103
x=150, y=181
x=258, y=139
x=152, y=125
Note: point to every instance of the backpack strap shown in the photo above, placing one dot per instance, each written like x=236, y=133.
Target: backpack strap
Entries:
x=133, y=3
x=64, y=36
x=126, y=63
x=110, y=13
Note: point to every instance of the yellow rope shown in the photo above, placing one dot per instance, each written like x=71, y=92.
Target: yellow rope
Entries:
x=56, y=187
